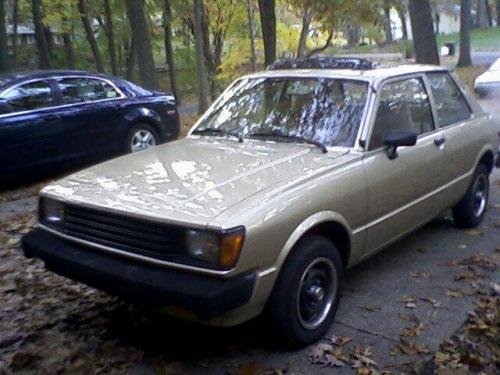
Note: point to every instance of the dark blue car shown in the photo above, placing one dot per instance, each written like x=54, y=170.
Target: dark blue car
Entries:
x=66, y=118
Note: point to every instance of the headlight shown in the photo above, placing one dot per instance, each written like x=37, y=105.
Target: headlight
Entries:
x=50, y=212
x=219, y=249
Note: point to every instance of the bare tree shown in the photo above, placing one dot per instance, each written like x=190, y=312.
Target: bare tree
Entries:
x=41, y=41
x=464, y=58
x=169, y=51
x=387, y=22
x=251, y=34
x=424, y=39
x=268, y=23
x=144, y=51
x=304, y=32
x=82, y=8
x=4, y=56
x=15, y=24
x=200, y=59
x=110, y=36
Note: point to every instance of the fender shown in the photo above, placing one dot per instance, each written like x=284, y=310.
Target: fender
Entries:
x=485, y=149
x=142, y=114
x=305, y=226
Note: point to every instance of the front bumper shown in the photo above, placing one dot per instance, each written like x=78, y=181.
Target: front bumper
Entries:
x=155, y=286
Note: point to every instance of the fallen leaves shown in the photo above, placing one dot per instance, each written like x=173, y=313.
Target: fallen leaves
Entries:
x=479, y=260
x=421, y=275
x=371, y=308
x=333, y=355
x=410, y=302
x=432, y=301
x=411, y=348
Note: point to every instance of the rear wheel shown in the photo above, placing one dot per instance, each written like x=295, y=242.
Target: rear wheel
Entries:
x=306, y=295
x=140, y=137
x=469, y=212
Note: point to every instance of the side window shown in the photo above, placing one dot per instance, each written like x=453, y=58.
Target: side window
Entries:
x=451, y=105
x=403, y=105
x=27, y=97
x=81, y=90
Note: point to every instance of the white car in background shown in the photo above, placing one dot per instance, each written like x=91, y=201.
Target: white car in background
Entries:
x=489, y=81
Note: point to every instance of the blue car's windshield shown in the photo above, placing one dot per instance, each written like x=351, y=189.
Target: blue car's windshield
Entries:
x=319, y=109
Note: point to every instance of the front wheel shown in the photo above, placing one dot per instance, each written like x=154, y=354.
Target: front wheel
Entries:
x=140, y=137
x=469, y=212
x=306, y=295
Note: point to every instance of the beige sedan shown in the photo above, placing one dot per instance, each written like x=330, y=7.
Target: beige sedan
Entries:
x=291, y=177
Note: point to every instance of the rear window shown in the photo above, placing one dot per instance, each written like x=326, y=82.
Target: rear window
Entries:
x=80, y=90
x=451, y=105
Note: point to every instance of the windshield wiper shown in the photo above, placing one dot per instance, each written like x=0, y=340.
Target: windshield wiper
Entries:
x=292, y=137
x=215, y=131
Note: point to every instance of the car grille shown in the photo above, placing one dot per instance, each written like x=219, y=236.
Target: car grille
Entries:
x=159, y=241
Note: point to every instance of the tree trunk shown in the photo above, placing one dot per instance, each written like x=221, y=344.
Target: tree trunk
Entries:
x=497, y=6
x=323, y=47
x=41, y=42
x=404, y=28
x=464, y=59
x=304, y=32
x=352, y=34
x=424, y=39
x=436, y=21
x=251, y=34
x=200, y=59
x=132, y=56
x=169, y=51
x=82, y=7
x=488, y=14
x=144, y=51
x=387, y=24
x=111, y=37
x=50, y=41
x=482, y=13
x=268, y=23
x=4, y=55
x=69, y=51
x=15, y=23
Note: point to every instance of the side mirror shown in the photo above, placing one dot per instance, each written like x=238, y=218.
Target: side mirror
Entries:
x=397, y=138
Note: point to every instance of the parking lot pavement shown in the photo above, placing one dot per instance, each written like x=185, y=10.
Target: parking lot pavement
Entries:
x=419, y=290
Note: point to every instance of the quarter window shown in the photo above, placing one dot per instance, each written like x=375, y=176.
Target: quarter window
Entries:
x=81, y=90
x=451, y=106
x=403, y=105
x=28, y=97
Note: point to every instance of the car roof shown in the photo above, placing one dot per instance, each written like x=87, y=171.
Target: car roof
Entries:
x=16, y=77
x=375, y=75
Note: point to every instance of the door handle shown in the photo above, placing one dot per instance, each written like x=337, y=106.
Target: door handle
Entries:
x=439, y=141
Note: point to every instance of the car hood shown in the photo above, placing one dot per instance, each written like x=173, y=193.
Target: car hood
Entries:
x=490, y=76
x=191, y=180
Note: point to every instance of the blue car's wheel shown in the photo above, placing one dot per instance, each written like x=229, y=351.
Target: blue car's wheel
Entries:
x=140, y=137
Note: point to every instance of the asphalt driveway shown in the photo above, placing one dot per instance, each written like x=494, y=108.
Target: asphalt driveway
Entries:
x=396, y=309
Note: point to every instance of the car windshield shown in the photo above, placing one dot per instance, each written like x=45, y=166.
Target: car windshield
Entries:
x=323, y=110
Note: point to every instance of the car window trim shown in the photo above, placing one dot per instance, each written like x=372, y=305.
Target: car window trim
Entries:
x=464, y=96
x=43, y=80
x=385, y=82
x=59, y=105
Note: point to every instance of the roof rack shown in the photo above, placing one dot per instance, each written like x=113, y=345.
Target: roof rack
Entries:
x=323, y=62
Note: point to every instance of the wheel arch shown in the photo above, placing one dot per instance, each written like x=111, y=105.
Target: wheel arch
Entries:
x=143, y=115
x=488, y=159
x=328, y=224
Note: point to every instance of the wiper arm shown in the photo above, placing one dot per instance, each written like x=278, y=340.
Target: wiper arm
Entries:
x=292, y=137
x=219, y=132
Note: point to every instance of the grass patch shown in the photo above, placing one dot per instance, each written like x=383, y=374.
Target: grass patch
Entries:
x=481, y=39
x=469, y=74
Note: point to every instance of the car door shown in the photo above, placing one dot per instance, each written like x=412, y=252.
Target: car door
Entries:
x=401, y=189
x=458, y=126
x=92, y=111
x=30, y=130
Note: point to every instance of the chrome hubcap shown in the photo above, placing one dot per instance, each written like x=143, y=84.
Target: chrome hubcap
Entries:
x=317, y=291
x=480, y=195
x=141, y=140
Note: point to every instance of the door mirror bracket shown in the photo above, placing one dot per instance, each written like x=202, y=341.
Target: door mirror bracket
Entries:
x=397, y=138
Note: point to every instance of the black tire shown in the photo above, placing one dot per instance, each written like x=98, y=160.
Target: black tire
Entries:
x=282, y=310
x=140, y=126
x=469, y=212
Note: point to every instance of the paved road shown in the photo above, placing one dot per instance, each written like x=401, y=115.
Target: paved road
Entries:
x=484, y=57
